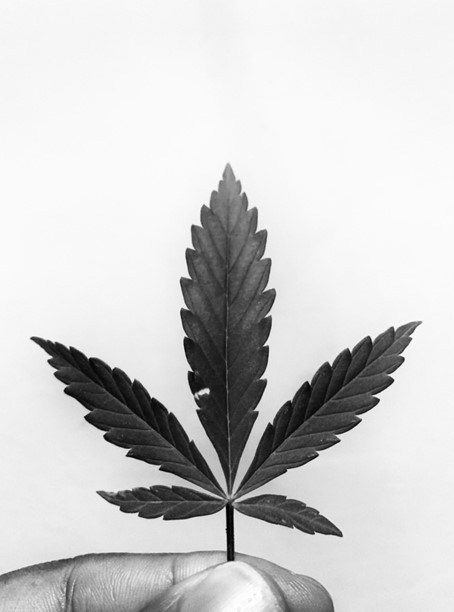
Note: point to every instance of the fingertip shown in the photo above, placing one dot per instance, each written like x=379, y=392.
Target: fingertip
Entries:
x=228, y=586
x=304, y=593
x=301, y=593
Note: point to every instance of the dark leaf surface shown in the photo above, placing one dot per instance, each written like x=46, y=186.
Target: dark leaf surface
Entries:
x=128, y=415
x=291, y=513
x=225, y=321
x=172, y=503
x=328, y=406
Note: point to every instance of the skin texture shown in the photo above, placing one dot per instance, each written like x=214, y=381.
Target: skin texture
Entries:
x=160, y=583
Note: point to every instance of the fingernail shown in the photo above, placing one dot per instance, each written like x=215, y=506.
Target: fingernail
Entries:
x=230, y=587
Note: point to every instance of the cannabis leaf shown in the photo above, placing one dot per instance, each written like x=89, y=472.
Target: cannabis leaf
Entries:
x=226, y=323
x=131, y=418
x=329, y=406
x=288, y=512
x=171, y=503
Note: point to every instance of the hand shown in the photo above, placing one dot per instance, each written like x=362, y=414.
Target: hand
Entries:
x=160, y=583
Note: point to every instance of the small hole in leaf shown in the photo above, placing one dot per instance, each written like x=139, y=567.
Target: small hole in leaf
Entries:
x=201, y=393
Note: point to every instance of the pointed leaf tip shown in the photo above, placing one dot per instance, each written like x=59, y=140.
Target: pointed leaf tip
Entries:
x=106, y=494
x=409, y=328
x=228, y=174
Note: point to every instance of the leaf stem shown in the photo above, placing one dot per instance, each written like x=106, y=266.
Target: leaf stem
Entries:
x=230, y=532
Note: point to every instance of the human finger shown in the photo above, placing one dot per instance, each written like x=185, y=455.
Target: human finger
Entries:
x=101, y=583
x=250, y=584
x=130, y=582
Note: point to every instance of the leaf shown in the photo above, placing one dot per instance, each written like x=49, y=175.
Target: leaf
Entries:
x=131, y=418
x=288, y=512
x=172, y=503
x=328, y=406
x=226, y=323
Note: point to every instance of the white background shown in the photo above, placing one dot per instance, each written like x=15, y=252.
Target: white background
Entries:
x=117, y=119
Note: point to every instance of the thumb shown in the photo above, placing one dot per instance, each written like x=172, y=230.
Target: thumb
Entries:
x=229, y=586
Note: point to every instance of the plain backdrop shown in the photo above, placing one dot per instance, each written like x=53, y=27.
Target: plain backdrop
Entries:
x=117, y=119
